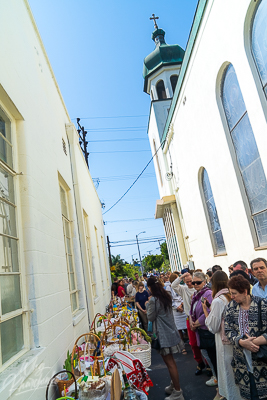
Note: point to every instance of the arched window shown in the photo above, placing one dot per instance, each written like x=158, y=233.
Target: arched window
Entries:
x=212, y=216
x=258, y=41
x=247, y=154
x=174, y=79
x=161, y=92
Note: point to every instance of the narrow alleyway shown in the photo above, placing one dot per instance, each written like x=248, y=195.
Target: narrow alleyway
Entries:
x=194, y=387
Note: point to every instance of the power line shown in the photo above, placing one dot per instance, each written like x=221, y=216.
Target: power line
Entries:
x=140, y=240
x=131, y=244
x=120, y=178
x=117, y=140
x=117, y=116
x=116, y=128
x=128, y=220
x=135, y=180
x=118, y=151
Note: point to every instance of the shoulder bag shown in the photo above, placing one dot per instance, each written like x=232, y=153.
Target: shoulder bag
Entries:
x=206, y=339
x=261, y=355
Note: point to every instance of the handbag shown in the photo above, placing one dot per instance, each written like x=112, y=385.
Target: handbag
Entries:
x=261, y=355
x=206, y=338
x=155, y=344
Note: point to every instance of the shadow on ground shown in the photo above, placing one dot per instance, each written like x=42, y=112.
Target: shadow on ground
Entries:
x=194, y=387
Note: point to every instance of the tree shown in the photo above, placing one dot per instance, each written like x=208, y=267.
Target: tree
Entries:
x=120, y=268
x=164, y=251
x=151, y=262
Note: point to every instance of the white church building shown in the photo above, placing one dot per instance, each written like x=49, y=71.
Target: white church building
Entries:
x=208, y=134
x=54, y=273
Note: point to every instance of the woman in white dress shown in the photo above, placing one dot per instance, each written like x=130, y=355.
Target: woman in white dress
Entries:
x=177, y=309
x=224, y=350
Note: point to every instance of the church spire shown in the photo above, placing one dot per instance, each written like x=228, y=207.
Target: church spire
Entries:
x=155, y=23
x=158, y=34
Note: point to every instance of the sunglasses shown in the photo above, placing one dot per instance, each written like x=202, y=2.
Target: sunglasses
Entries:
x=197, y=282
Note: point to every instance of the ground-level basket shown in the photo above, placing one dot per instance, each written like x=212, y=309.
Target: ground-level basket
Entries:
x=63, y=383
x=143, y=355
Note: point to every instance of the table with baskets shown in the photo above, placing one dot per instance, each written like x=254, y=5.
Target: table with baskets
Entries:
x=114, y=343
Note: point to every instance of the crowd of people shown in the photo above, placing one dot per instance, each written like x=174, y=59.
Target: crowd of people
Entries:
x=222, y=315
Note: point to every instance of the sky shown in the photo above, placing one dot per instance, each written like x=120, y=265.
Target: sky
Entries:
x=96, y=49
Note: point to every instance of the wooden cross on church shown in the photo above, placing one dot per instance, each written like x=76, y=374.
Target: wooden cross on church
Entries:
x=154, y=18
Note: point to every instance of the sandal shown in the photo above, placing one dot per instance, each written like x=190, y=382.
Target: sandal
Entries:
x=184, y=352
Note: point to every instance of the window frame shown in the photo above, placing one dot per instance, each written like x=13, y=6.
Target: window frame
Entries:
x=23, y=311
x=99, y=258
x=228, y=132
x=207, y=215
x=159, y=82
x=66, y=220
x=92, y=271
x=105, y=260
x=173, y=88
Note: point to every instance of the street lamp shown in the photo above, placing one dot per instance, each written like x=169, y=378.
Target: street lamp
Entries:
x=141, y=268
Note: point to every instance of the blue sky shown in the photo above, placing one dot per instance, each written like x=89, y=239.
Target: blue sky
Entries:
x=96, y=49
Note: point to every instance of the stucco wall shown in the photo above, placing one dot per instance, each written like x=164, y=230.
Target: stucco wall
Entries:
x=200, y=133
x=39, y=121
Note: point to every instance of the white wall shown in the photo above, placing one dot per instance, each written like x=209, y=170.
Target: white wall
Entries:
x=199, y=138
x=39, y=120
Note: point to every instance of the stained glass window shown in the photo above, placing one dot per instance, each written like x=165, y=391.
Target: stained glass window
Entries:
x=247, y=154
x=258, y=41
x=213, y=219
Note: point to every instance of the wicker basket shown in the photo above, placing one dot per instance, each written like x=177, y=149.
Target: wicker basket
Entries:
x=62, y=383
x=144, y=356
x=65, y=383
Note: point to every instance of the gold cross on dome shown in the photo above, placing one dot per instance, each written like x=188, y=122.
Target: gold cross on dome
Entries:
x=154, y=18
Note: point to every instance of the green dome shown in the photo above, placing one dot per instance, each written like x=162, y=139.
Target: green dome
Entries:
x=164, y=54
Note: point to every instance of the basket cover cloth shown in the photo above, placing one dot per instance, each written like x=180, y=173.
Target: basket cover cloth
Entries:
x=134, y=369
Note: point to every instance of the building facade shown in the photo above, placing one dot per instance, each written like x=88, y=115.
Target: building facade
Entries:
x=211, y=164
x=54, y=273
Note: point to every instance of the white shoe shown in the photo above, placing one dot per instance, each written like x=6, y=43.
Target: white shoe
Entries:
x=176, y=395
x=212, y=381
x=169, y=389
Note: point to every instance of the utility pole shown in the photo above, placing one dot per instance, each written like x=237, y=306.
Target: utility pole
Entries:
x=139, y=253
x=109, y=253
x=141, y=268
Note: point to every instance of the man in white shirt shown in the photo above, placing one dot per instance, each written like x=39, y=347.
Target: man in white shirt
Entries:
x=186, y=292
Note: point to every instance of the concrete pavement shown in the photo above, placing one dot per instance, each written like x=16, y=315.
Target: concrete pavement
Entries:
x=194, y=387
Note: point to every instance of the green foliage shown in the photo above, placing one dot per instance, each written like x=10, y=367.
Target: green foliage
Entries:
x=152, y=262
x=67, y=365
x=122, y=268
x=166, y=266
x=164, y=251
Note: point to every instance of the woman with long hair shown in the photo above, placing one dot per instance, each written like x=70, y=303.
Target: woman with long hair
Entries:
x=224, y=350
x=159, y=311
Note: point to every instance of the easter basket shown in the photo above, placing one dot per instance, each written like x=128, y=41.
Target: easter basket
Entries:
x=141, y=351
